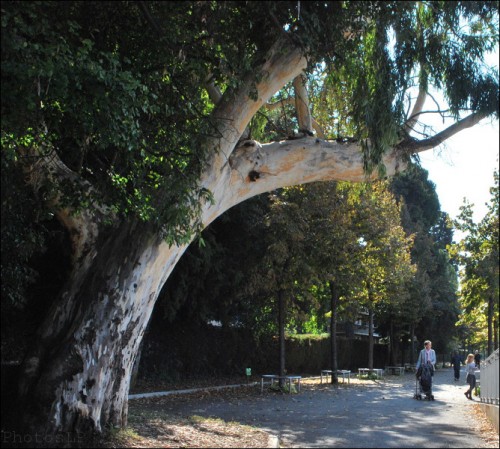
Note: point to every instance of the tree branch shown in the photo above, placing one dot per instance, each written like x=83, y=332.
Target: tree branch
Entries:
x=279, y=104
x=282, y=63
x=254, y=169
x=319, y=131
x=291, y=101
x=302, y=104
x=412, y=146
x=43, y=165
x=417, y=109
x=214, y=92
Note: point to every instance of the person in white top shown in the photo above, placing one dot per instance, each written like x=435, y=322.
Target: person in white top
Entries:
x=470, y=369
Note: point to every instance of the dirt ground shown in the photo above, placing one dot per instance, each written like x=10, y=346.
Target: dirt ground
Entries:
x=182, y=421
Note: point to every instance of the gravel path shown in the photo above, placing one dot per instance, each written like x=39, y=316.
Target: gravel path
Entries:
x=380, y=414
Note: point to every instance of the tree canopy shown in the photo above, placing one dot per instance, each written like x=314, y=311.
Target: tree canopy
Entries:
x=121, y=98
x=477, y=254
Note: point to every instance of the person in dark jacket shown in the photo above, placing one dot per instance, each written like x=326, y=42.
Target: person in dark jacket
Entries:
x=456, y=361
x=477, y=359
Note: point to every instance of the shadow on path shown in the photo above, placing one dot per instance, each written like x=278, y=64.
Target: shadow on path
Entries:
x=382, y=414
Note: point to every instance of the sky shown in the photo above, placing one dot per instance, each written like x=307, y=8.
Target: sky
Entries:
x=463, y=168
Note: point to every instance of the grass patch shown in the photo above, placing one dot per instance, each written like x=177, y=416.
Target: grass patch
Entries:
x=300, y=337
x=284, y=389
x=122, y=437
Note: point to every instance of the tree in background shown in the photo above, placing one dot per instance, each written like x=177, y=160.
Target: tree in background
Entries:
x=129, y=122
x=334, y=242
x=431, y=308
x=286, y=266
x=357, y=243
x=386, y=266
x=477, y=254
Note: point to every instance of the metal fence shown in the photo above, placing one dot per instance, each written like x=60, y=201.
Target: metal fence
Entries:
x=489, y=379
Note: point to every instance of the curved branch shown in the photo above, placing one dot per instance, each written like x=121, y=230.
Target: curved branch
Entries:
x=213, y=91
x=417, y=146
x=83, y=227
x=232, y=115
x=254, y=169
x=417, y=109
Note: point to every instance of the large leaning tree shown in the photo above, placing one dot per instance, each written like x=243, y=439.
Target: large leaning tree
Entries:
x=131, y=124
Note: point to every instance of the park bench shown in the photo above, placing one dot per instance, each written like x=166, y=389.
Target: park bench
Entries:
x=395, y=370
x=275, y=377
x=342, y=372
x=379, y=372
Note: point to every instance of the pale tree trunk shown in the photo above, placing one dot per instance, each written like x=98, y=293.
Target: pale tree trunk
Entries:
x=76, y=376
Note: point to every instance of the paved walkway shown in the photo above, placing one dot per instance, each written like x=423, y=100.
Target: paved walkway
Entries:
x=380, y=415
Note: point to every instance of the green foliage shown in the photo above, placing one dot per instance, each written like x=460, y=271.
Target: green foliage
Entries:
x=23, y=234
x=477, y=253
x=108, y=100
x=372, y=62
x=94, y=94
x=118, y=95
x=307, y=336
x=432, y=300
x=369, y=376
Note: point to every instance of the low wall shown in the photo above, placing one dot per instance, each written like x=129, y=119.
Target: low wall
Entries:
x=491, y=411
